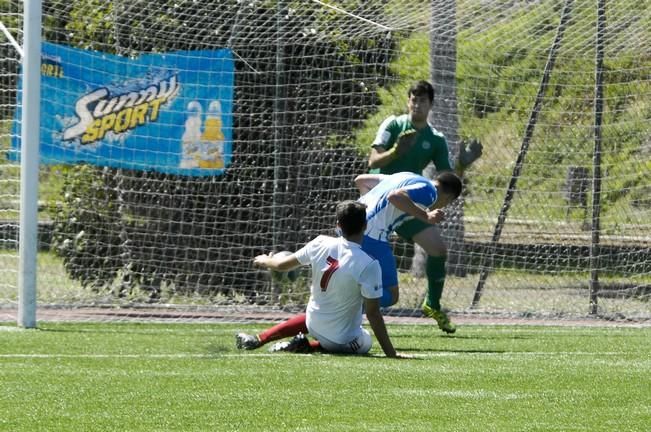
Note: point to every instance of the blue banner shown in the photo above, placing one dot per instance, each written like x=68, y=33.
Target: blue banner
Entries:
x=168, y=112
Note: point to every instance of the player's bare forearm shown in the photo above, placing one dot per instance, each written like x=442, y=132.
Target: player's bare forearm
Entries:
x=379, y=157
x=278, y=263
x=375, y=319
x=401, y=201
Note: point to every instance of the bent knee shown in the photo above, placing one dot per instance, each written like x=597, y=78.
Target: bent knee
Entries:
x=431, y=241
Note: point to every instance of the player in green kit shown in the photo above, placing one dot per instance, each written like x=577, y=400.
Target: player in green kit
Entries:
x=409, y=143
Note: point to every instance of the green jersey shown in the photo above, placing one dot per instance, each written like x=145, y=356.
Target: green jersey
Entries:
x=428, y=145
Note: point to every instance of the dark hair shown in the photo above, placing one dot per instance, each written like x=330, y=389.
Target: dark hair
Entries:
x=449, y=183
x=422, y=88
x=351, y=217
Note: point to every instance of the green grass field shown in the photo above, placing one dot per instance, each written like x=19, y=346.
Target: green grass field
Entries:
x=190, y=377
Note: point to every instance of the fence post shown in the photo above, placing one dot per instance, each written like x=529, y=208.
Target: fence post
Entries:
x=596, y=156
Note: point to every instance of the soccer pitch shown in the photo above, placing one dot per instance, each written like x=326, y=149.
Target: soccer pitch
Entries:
x=190, y=377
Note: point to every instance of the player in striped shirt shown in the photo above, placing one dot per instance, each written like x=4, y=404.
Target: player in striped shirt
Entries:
x=396, y=199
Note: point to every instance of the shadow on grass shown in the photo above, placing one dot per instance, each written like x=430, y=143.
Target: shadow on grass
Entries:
x=456, y=351
x=502, y=337
x=217, y=350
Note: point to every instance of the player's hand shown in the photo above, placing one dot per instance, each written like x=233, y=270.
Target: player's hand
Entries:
x=405, y=142
x=399, y=355
x=262, y=260
x=435, y=216
x=469, y=152
x=404, y=356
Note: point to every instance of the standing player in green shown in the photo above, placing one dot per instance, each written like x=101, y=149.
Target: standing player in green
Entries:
x=409, y=143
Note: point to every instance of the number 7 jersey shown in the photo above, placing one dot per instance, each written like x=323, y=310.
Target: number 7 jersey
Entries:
x=342, y=276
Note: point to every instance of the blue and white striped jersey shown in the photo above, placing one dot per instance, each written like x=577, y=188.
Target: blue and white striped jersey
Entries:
x=382, y=217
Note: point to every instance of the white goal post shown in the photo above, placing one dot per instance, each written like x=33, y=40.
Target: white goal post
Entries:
x=29, y=168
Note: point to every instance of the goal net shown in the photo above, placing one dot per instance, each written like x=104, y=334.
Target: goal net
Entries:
x=180, y=139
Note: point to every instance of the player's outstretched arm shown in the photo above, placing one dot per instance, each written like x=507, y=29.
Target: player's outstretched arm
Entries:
x=280, y=263
x=375, y=319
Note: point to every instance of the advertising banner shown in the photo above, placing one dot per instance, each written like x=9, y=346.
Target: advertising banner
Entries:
x=167, y=112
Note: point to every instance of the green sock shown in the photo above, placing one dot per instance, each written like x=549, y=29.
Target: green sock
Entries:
x=435, y=270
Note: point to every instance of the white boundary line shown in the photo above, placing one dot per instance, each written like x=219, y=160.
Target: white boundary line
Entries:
x=316, y=356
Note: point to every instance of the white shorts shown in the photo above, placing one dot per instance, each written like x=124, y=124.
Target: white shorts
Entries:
x=361, y=344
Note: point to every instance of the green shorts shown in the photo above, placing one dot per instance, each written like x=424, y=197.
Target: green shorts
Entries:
x=410, y=228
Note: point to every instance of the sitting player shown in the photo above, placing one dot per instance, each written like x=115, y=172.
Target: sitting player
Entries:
x=344, y=279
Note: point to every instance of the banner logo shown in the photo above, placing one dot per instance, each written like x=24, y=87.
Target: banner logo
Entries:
x=100, y=112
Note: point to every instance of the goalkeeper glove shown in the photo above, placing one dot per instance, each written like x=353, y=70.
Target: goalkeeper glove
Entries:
x=469, y=152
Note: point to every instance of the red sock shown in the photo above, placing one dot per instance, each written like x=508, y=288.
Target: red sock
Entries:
x=291, y=327
x=315, y=345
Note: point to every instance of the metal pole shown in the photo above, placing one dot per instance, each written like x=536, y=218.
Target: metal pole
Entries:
x=277, y=125
x=279, y=148
x=533, y=119
x=444, y=116
x=596, y=156
x=29, y=162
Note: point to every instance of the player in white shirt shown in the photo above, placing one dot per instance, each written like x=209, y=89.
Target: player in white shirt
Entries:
x=394, y=199
x=345, y=282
